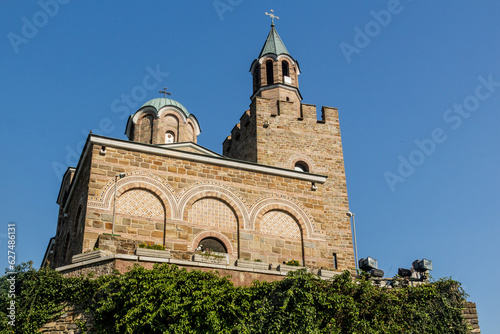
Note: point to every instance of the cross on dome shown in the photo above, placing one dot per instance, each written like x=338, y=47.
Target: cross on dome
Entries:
x=164, y=92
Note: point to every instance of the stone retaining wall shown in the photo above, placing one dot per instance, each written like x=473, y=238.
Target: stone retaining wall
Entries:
x=73, y=321
x=470, y=314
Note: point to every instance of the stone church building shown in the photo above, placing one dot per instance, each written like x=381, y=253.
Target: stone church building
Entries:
x=277, y=193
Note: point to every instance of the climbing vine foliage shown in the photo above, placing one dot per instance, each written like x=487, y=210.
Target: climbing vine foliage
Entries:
x=167, y=299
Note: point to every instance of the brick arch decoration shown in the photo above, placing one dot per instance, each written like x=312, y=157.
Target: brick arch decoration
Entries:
x=287, y=205
x=171, y=119
x=144, y=112
x=222, y=214
x=279, y=223
x=139, y=180
x=172, y=111
x=296, y=158
x=140, y=202
x=200, y=190
x=206, y=234
x=170, y=122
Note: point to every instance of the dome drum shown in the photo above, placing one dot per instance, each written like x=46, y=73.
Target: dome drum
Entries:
x=162, y=121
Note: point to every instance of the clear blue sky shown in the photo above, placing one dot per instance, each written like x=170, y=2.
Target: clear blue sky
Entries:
x=417, y=85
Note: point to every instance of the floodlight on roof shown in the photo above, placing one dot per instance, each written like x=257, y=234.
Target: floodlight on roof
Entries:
x=404, y=272
x=368, y=263
x=377, y=272
x=422, y=265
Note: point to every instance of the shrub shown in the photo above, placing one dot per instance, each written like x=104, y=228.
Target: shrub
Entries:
x=167, y=299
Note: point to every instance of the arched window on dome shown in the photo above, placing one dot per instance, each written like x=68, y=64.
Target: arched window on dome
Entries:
x=169, y=137
x=269, y=72
x=301, y=166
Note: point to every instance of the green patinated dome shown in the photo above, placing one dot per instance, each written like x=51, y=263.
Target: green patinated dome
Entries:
x=161, y=102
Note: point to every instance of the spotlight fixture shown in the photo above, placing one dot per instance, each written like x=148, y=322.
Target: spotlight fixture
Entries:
x=368, y=263
x=404, y=272
x=377, y=272
x=422, y=266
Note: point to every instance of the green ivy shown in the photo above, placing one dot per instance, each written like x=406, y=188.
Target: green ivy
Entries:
x=168, y=299
x=41, y=296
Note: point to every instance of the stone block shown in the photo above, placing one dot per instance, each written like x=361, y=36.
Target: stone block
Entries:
x=131, y=230
x=157, y=234
x=246, y=236
x=120, y=229
x=152, y=253
x=144, y=232
x=180, y=247
x=87, y=256
x=107, y=217
x=328, y=273
x=252, y=264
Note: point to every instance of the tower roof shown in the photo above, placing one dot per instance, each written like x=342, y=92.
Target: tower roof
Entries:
x=161, y=102
x=274, y=44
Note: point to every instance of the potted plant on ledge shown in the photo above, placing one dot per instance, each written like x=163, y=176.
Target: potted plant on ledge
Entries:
x=208, y=256
x=289, y=265
x=253, y=264
x=149, y=249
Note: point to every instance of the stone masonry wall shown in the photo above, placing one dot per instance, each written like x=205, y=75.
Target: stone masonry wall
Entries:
x=70, y=225
x=241, y=144
x=284, y=139
x=182, y=185
x=470, y=314
x=74, y=320
x=281, y=136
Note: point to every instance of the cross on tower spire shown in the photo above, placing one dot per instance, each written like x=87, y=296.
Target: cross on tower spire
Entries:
x=164, y=92
x=272, y=17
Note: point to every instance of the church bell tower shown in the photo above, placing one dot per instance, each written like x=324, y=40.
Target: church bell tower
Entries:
x=279, y=130
x=275, y=72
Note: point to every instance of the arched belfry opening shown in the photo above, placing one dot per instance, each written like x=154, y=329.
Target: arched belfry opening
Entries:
x=269, y=72
x=286, y=71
